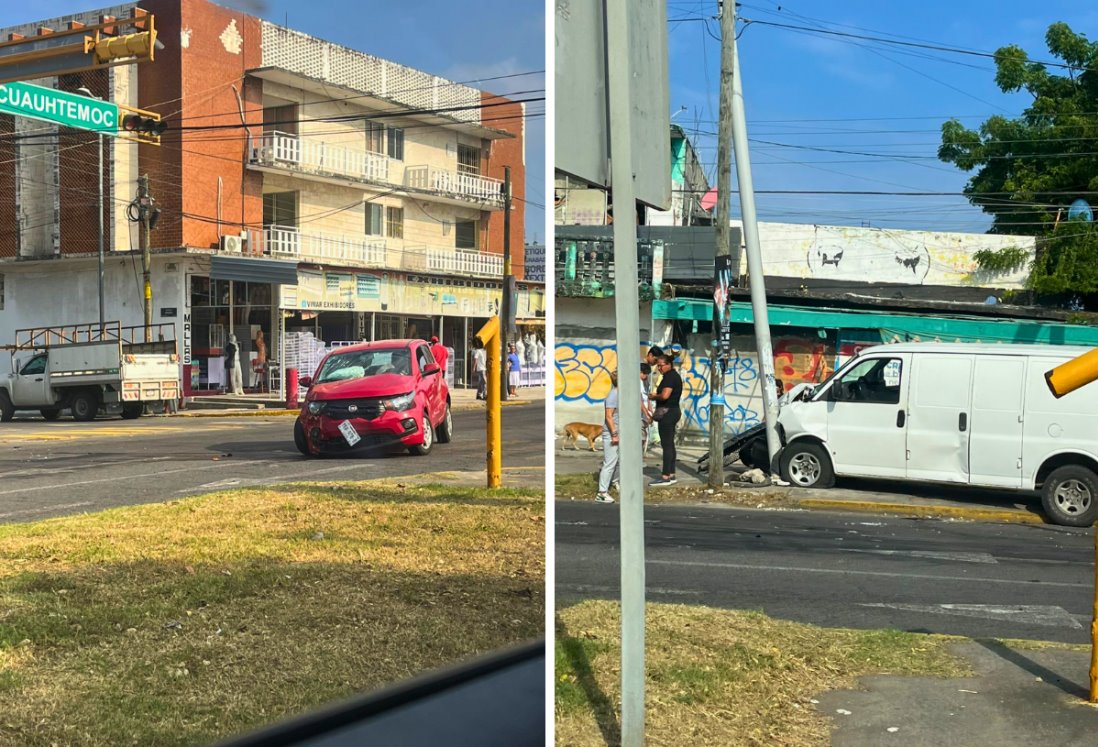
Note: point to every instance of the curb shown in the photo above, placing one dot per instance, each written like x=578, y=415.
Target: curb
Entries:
x=957, y=512
x=261, y=413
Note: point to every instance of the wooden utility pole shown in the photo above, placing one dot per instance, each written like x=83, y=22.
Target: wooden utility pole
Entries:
x=144, y=201
x=505, y=310
x=724, y=232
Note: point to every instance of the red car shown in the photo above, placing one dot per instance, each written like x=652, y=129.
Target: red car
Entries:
x=375, y=395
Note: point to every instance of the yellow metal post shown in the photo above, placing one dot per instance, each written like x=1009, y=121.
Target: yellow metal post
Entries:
x=1077, y=372
x=1094, y=632
x=489, y=337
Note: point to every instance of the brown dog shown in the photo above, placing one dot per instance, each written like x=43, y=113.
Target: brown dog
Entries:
x=591, y=432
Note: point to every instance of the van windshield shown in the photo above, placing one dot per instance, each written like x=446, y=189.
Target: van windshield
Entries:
x=343, y=366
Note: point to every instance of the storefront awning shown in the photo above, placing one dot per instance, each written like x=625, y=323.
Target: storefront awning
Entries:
x=253, y=270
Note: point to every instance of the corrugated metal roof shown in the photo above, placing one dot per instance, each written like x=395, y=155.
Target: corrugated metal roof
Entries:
x=253, y=269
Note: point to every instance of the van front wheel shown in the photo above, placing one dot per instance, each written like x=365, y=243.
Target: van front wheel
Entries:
x=1070, y=496
x=807, y=465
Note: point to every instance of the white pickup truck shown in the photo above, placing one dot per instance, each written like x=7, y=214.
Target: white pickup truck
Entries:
x=88, y=369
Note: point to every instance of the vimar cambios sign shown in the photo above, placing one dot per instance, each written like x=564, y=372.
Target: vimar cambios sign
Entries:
x=59, y=107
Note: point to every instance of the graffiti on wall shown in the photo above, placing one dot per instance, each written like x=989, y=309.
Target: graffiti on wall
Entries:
x=582, y=376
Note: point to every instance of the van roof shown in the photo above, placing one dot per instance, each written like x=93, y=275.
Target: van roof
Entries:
x=979, y=348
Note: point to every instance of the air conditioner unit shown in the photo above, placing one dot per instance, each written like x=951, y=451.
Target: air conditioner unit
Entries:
x=232, y=244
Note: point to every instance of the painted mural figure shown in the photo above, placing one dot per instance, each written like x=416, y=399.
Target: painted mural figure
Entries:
x=260, y=365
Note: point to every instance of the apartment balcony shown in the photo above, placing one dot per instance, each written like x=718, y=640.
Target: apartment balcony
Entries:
x=454, y=185
x=288, y=242
x=585, y=269
x=450, y=261
x=316, y=158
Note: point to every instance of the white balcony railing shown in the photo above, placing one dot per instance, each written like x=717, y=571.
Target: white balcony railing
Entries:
x=457, y=261
x=317, y=157
x=287, y=241
x=454, y=184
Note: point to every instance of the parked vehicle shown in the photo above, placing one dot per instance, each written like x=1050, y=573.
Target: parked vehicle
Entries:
x=973, y=414
x=375, y=395
x=88, y=369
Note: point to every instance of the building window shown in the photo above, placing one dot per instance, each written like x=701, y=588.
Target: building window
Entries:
x=1, y=291
x=332, y=281
x=280, y=209
x=465, y=232
x=368, y=286
x=396, y=143
x=373, y=219
x=280, y=119
x=375, y=137
x=468, y=159
x=394, y=222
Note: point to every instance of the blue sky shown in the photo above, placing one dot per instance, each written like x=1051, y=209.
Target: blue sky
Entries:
x=811, y=90
x=502, y=37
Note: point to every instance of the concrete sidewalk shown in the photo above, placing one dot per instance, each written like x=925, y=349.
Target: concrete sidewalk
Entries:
x=1016, y=697
x=267, y=405
x=875, y=496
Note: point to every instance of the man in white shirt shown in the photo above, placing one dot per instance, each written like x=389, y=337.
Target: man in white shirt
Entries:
x=480, y=371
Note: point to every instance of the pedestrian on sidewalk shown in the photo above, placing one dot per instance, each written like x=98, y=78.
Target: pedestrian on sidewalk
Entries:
x=514, y=369
x=667, y=415
x=646, y=408
x=480, y=370
x=610, y=440
x=440, y=353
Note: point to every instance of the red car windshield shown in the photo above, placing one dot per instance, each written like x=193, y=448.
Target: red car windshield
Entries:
x=355, y=365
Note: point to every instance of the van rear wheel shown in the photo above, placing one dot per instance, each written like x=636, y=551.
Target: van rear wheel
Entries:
x=85, y=405
x=1070, y=496
x=807, y=465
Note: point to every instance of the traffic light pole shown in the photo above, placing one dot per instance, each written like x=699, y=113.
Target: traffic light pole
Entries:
x=145, y=202
x=102, y=256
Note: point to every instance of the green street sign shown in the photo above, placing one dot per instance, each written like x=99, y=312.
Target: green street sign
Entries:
x=59, y=107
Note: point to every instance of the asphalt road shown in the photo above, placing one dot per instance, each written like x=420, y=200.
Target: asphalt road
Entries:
x=847, y=570
x=65, y=467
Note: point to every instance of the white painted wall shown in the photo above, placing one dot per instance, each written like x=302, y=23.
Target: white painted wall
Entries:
x=883, y=255
x=66, y=292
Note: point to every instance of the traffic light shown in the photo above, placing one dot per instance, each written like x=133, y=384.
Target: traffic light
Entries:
x=141, y=45
x=139, y=125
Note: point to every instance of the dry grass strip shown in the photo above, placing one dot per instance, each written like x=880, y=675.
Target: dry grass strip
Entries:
x=189, y=621
x=722, y=677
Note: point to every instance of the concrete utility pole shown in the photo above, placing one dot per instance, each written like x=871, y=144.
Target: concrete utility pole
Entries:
x=724, y=232
x=144, y=202
x=505, y=302
x=754, y=253
x=627, y=314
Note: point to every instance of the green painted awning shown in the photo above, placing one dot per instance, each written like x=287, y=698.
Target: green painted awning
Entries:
x=925, y=326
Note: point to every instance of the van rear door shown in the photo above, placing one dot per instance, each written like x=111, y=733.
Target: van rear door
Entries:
x=995, y=441
x=938, y=417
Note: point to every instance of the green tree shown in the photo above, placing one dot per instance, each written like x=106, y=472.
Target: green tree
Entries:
x=1029, y=169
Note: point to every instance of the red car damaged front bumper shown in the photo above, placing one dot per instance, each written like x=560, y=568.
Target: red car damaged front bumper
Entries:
x=395, y=430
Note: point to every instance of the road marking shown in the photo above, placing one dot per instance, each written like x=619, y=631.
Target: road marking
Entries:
x=114, y=479
x=1034, y=614
x=614, y=590
x=44, y=509
x=219, y=484
x=960, y=557
x=881, y=574
x=73, y=434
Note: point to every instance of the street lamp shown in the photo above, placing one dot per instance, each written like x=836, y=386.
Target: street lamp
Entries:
x=102, y=321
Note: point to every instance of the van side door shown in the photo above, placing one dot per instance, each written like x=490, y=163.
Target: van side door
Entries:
x=995, y=443
x=865, y=421
x=939, y=419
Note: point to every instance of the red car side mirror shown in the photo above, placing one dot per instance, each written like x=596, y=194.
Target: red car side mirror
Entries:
x=305, y=381
x=431, y=369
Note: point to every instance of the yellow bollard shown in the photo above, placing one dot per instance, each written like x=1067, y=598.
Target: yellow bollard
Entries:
x=489, y=338
x=1067, y=377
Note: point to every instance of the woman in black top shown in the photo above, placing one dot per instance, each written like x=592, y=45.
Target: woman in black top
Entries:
x=667, y=396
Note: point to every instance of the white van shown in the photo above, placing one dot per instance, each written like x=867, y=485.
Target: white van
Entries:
x=974, y=414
